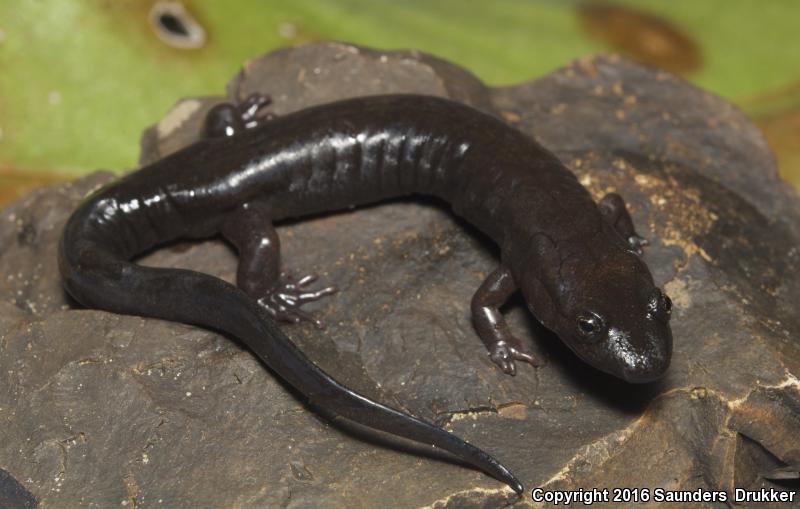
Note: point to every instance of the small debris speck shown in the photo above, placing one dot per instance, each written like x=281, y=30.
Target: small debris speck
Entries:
x=287, y=30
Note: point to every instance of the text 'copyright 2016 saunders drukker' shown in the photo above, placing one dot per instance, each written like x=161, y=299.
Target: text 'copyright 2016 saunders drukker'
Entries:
x=634, y=495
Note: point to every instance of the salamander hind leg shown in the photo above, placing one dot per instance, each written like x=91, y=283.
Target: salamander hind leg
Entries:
x=504, y=348
x=613, y=209
x=259, y=274
x=226, y=119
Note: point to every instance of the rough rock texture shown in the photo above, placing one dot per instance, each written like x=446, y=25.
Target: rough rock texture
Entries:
x=103, y=410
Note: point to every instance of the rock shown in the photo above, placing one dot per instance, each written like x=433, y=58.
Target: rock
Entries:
x=103, y=410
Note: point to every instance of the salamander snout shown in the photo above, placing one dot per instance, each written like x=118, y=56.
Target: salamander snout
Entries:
x=642, y=359
x=640, y=350
x=631, y=341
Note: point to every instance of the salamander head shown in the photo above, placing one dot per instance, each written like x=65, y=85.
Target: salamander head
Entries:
x=609, y=312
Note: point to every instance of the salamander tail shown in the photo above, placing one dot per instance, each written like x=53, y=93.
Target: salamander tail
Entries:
x=96, y=277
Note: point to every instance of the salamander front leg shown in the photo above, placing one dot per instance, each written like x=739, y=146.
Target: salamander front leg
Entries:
x=613, y=209
x=504, y=348
x=250, y=230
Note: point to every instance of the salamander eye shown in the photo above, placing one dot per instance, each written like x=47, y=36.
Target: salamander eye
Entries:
x=660, y=306
x=590, y=324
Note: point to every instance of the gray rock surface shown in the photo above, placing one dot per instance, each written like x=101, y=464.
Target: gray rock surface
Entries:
x=102, y=410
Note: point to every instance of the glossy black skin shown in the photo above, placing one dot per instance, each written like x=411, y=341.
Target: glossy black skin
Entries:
x=576, y=263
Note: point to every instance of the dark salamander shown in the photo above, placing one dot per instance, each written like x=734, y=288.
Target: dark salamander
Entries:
x=575, y=261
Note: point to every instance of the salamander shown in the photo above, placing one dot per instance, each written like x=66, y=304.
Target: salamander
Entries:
x=576, y=262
